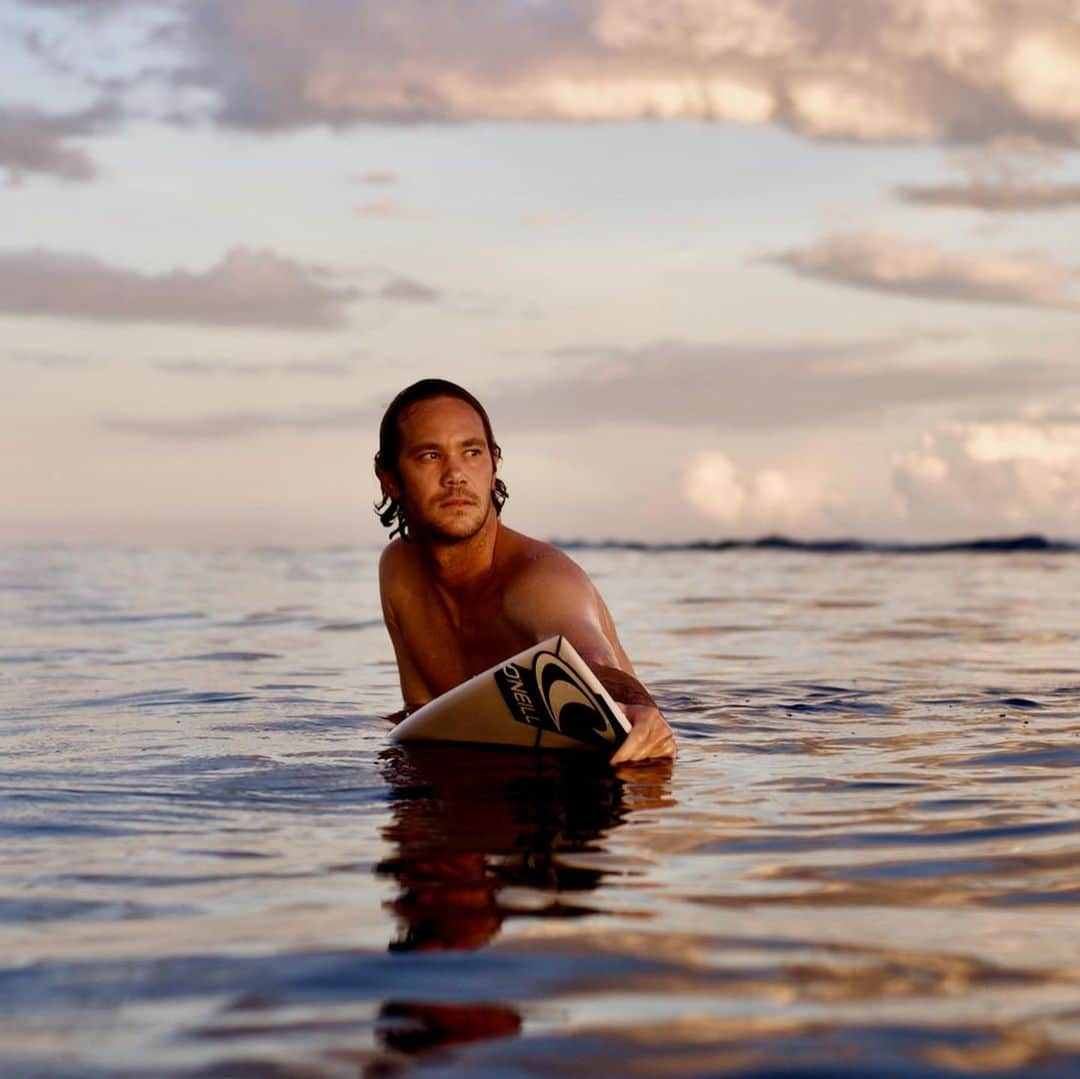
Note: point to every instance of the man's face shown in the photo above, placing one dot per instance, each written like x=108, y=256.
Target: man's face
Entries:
x=445, y=469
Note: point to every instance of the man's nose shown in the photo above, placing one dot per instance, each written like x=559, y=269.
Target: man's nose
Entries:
x=453, y=472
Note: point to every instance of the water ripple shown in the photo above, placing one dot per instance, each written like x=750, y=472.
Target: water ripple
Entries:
x=864, y=862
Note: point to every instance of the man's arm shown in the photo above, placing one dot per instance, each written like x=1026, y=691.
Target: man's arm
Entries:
x=555, y=596
x=414, y=691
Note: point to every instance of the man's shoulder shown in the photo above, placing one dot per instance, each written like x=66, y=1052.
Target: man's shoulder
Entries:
x=550, y=593
x=538, y=565
x=397, y=563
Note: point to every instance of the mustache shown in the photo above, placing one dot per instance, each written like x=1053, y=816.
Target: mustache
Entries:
x=458, y=496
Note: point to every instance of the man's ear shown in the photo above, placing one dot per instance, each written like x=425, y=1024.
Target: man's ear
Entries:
x=390, y=486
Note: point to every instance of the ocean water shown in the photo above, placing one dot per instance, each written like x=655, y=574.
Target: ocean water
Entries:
x=865, y=861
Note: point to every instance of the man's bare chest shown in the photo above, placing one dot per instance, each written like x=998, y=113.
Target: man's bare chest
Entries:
x=449, y=644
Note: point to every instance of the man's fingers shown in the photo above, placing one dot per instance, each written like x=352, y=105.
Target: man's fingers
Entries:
x=649, y=738
x=654, y=749
x=628, y=750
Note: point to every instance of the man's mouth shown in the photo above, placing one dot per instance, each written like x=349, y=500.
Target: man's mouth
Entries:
x=457, y=500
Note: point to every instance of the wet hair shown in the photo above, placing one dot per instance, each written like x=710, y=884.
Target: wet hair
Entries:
x=391, y=512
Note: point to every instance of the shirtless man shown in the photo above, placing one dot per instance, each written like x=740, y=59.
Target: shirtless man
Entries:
x=461, y=591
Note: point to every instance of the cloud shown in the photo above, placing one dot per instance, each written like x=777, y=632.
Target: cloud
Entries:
x=680, y=385
x=885, y=261
x=89, y=7
x=1001, y=198
x=48, y=361
x=1009, y=174
x=955, y=71
x=407, y=290
x=227, y=425
x=377, y=178
x=993, y=477
x=1058, y=416
x=247, y=287
x=216, y=368
x=388, y=209
x=192, y=367
x=755, y=388
x=553, y=218
x=32, y=141
x=769, y=500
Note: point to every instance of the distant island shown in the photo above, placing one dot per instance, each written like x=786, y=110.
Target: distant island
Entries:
x=991, y=545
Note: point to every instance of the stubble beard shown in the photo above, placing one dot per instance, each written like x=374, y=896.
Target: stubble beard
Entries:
x=442, y=534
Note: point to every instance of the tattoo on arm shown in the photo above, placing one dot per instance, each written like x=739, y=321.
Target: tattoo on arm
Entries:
x=625, y=688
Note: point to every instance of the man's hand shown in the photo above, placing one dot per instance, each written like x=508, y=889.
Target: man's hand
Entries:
x=650, y=737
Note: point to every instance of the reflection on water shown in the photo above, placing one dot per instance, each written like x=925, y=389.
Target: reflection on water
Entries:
x=866, y=860
x=478, y=837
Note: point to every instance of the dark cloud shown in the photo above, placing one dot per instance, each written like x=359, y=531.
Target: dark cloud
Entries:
x=247, y=287
x=873, y=71
x=92, y=6
x=1008, y=174
x=409, y=291
x=884, y=261
x=679, y=384
x=242, y=424
x=1003, y=198
x=956, y=72
x=32, y=141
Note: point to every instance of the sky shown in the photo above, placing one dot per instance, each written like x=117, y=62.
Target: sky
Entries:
x=717, y=268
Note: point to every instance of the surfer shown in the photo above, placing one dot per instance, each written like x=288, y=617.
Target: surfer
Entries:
x=461, y=591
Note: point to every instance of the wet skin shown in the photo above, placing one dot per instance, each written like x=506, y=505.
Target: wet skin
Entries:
x=466, y=592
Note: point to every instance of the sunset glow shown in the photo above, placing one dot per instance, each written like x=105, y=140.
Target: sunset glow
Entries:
x=716, y=269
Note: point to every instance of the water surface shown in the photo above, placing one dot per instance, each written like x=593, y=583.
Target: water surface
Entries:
x=866, y=860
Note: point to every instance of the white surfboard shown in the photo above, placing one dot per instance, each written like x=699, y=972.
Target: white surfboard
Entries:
x=544, y=698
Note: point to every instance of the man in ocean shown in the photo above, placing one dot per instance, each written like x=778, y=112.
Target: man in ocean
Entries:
x=460, y=591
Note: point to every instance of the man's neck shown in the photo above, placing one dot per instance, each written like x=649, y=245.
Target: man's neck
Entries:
x=460, y=568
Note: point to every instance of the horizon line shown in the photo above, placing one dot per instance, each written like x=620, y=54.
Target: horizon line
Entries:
x=1034, y=542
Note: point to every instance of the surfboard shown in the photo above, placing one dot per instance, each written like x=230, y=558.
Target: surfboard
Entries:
x=545, y=697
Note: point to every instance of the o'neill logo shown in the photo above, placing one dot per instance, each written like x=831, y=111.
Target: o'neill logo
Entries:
x=511, y=679
x=551, y=696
